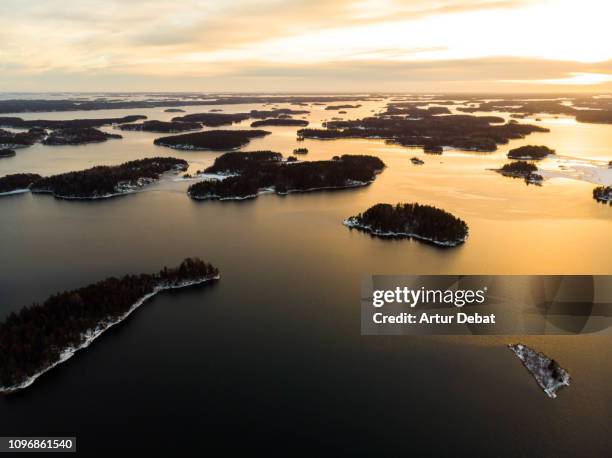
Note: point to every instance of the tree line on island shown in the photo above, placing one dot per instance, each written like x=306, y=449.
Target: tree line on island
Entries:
x=252, y=172
x=423, y=222
x=107, y=181
x=35, y=338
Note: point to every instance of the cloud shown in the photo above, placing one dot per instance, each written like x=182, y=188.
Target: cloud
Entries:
x=192, y=44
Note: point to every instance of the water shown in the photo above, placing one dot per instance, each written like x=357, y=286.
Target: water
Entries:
x=272, y=353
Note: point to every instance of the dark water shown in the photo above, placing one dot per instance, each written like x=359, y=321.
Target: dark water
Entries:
x=270, y=358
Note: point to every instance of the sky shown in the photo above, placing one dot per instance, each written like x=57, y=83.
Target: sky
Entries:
x=306, y=45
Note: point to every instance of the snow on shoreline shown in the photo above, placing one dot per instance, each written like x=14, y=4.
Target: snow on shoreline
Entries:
x=581, y=170
x=354, y=224
x=92, y=335
x=352, y=184
x=549, y=375
x=15, y=191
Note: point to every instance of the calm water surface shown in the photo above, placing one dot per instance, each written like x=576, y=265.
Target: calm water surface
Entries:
x=273, y=351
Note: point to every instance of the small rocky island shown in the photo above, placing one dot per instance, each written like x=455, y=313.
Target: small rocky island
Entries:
x=522, y=169
x=77, y=136
x=300, y=151
x=6, y=152
x=603, y=194
x=38, y=338
x=211, y=139
x=17, y=183
x=416, y=161
x=280, y=122
x=547, y=372
x=530, y=152
x=161, y=126
x=102, y=182
x=421, y=222
x=251, y=173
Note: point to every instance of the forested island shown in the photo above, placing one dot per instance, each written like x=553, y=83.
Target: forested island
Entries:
x=432, y=132
x=41, y=336
x=280, y=122
x=174, y=110
x=300, y=151
x=530, y=152
x=547, y=372
x=161, y=126
x=422, y=222
x=275, y=113
x=108, y=181
x=6, y=152
x=603, y=194
x=211, y=139
x=19, y=123
x=522, y=169
x=255, y=172
x=77, y=136
x=16, y=183
x=212, y=119
x=341, y=107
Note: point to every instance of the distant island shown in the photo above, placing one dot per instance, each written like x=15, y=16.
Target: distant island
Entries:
x=275, y=113
x=417, y=161
x=300, y=151
x=212, y=119
x=522, y=169
x=18, y=123
x=161, y=126
x=42, y=105
x=341, y=107
x=210, y=139
x=38, y=338
x=603, y=194
x=6, y=152
x=422, y=222
x=17, y=183
x=280, y=122
x=530, y=152
x=102, y=182
x=174, y=110
x=430, y=131
x=77, y=136
x=547, y=372
x=255, y=172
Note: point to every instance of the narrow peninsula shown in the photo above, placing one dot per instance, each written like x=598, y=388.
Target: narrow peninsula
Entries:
x=421, y=222
x=103, y=182
x=38, y=338
x=17, y=183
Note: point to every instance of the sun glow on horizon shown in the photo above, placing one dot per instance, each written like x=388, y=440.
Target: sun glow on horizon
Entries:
x=551, y=42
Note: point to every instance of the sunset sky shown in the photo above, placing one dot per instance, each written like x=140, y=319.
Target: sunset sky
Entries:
x=299, y=45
